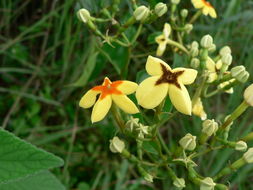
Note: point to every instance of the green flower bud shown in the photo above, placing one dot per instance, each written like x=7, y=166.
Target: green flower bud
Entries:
x=240, y=74
x=206, y=41
x=194, y=52
x=248, y=95
x=195, y=44
x=83, y=15
x=161, y=9
x=248, y=156
x=195, y=62
x=212, y=48
x=175, y=2
x=207, y=184
x=179, y=183
x=148, y=177
x=225, y=50
x=184, y=13
x=209, y=127
x=188, y=28
x=188, y=142
x=132, y=123
x=117, y=145
x=227, y=59
x=141, y=13
x=241, y=146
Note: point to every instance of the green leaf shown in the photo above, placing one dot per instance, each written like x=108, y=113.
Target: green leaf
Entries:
x=150, y=147
x=88, y=69
x=117, y=56
x=40, y=181
x=19, y=158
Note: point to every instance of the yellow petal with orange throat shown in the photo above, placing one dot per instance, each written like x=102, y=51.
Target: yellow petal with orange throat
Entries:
x=124, y=103
x=153, y=66
x=149, y=95
x=188, y=76
x=180, y=99
x=88, y=99
x=101, y=108
x=127, y=87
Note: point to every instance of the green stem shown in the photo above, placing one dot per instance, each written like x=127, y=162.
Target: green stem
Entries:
x=118, y=118
x=178, y=45
x=195, y=16
x=163, y=144
x=238, y=111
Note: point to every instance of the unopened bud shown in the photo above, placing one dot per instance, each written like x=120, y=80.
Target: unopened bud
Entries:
x=206, y=41
x=188, y=142
x=184, y=13
x=117, y=145
x=209, y=127
x=83, y=15
x=240, y=74
x=248, y=156
x=212, y=48
x=195, y=44
x=175, y=2
x=141, y=13
x=225, y=50
x=241, y=146
x=161, y=9
x=194, y=52
x=207, y=184
x=188, y=28
x=248, y=95
x=195, y=63
x=227, y=59
x=179, y=183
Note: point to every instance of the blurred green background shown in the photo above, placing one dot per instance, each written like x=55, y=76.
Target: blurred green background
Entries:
x=49, y=59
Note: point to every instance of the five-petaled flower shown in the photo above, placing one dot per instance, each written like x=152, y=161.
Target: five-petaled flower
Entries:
x=152, y=91
x=109, y=91
x=205, y=6
x=163, y=39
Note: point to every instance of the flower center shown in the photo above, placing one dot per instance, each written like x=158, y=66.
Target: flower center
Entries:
x=207, y=3
x=169, y=77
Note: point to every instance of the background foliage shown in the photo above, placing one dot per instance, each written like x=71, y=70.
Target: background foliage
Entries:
x=49, y=59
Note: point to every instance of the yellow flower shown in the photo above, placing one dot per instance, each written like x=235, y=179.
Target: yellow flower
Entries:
x=109, y=91
x=212, y=68
x=205, y=6
x=163, y=39
x=198, y=109
x=152, y=91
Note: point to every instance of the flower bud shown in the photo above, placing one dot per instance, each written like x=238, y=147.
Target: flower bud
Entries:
x=83, y=15
x=184, y=13
x=117, y=145
x=207, y=184
x=179, y=183
x=141, y=13
x=195, y=63
x=240, y=74
x=212, y=48
x=194, y=52
x=225, y=50
x=175, y=2
x=227, y=59
x=188, y=142
x=161, y=9
x=248, y=156
x=188, y=28
x=241, y=146
x=248, y=95
x=132, y=123
x=206, y=41
x=209, y=127
x=148, y=177
x=195, y=44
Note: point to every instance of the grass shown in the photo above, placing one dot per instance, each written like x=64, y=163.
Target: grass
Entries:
x=44, y=51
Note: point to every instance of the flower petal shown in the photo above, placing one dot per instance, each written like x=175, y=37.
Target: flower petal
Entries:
x=124, y=103
x=205, y=10
x=180, y=99
x=210, y=64
x=153, y=66
x=166, y=30
x=88, y=99
x=212, y=13
x=161, y=48
x=127, y=87
x=188, y=76
x=198, y=4
x=101, y=108
x=149, y=95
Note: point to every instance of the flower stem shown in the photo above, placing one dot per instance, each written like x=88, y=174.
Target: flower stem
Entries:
x=178, y=45
x=118, y=118
x=163, y=144
x=195, y=16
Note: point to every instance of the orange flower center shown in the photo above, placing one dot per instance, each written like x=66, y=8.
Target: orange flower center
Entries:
x=108, y=88
x=207, y=3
